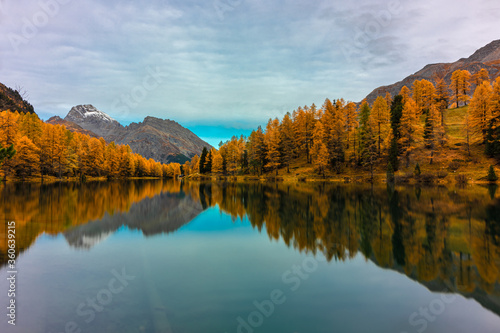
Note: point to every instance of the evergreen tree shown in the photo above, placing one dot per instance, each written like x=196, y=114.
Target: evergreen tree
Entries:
x=6, y=153
x=492, y=177
x=390, y=173
x=396, y=113
x=202, y=161
x=393, y=154
x=208, y=162
x=367, y=138
x=417, y=171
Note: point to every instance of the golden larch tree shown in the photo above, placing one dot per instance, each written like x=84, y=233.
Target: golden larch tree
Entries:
x=379, y=120
x=410, y=129
x=351, y=123
x=424, y=95
x=480, y=76
x=460, y=85
x=26, y=160
x=480, y=110
x=287, y=143
x=319, y=150
x=406, y=93
x=31, y=126
x=217, y=163
x=495, y=99
x=272, y=140
x=8, y=127
x=442, y=97
x=195, y=164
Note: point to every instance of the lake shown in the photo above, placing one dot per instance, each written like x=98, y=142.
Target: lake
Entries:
x=165, y=256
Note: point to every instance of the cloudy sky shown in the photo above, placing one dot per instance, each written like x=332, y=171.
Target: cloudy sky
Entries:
x=223, y=67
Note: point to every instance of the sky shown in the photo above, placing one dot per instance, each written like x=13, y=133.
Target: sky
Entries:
x=224, y=67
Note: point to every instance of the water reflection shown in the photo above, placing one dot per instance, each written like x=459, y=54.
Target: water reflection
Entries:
x=446, y=239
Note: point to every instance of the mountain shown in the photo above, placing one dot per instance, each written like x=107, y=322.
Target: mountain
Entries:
x=11, y=99
x=89, y=118
x=162, y=140
x=73, y=127
x=486, y=57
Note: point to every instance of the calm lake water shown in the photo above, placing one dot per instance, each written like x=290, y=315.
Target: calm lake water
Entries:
x=153, y=256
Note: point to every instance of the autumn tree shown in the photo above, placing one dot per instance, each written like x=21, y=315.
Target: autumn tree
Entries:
x=334, y=124
x=319, y=150
x=8, y=127
x=112, y=162
x=460, y=85
x=26, y=160
x=303, y=125
x=95, y=162
x=410, y=129
x=480, y=76
x=287, y=143
x=424, y=95
x=52, y=149
x=272, y=140
x=480, y=110
x=216, y=163
x=442, y=97
x=379, y=120
x=233, y=155
x=195, y=164
x=405, y=92
x=388, y=98
x=495, y=99
x=351, y=124
x=467, y=130
x=31, y=126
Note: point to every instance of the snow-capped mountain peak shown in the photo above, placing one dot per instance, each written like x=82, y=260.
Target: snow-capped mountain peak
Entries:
x=90, y=118
x=88, y=111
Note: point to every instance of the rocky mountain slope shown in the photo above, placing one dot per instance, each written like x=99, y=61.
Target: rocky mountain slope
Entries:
x=162, y=140
x=89, y=118
x=73, y=127
x=486, y=57
x=11, y=99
